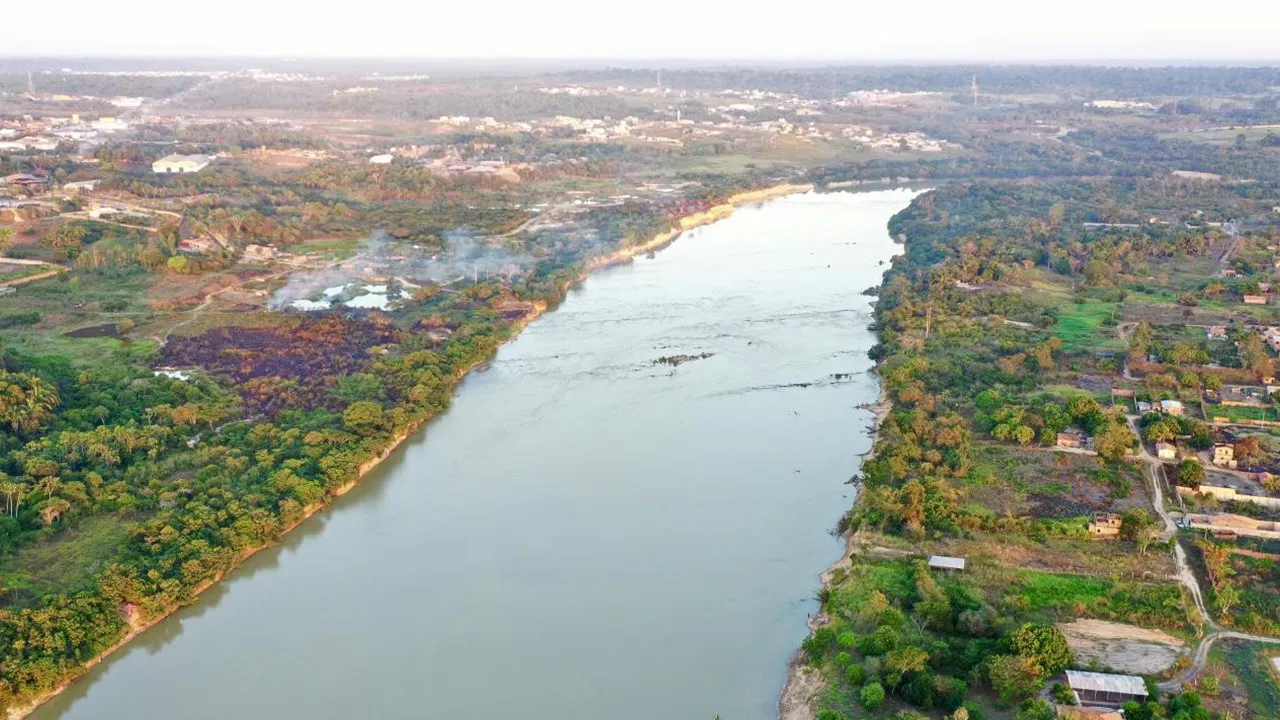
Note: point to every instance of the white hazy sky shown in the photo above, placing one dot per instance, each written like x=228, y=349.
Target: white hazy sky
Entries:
x=1000, y=30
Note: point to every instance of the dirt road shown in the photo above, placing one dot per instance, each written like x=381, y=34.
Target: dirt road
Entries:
x=1202, y=655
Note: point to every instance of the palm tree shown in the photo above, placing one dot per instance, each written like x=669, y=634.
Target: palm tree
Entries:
x=49, y=486
x=52, y=509
x=10, y=489
x=26, y=401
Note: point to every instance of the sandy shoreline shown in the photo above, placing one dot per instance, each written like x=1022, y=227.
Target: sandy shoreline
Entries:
x=805, y=683
x=659, y=241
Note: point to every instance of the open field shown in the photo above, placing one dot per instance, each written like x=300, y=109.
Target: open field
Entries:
x=1043, y=483
x=1121, y=647
x=1245, y=684
x=63, y=563
x=1082, y=325
x=1223, y=136
x=1236, y=413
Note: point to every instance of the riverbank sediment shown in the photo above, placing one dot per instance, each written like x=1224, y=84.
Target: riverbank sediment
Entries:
x=804, y=682
x=659, y=241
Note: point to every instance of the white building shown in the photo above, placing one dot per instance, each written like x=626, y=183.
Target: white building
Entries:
x=109, y=124
x=381, y=159
x=944, y=562
x=82, y=186
x=180, y=164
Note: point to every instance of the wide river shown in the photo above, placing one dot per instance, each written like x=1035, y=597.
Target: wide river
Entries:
x=586, y=534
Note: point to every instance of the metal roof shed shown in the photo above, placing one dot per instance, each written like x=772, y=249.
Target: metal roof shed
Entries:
x=1093, y=688
x=942, y=562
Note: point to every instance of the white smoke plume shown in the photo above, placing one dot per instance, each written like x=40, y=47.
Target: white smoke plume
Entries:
x=468, y=257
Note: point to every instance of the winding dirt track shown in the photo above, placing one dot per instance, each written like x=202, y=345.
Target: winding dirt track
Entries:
x=1202, y=655
x=1185, y=575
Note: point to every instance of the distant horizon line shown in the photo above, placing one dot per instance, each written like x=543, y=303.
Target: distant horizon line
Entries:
x=675, y=60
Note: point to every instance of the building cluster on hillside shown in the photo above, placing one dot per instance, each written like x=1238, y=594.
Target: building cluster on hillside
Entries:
x=1119, y=105
x=674, y=132
x=356, y=90
x=44, y=134
x=883, y=98
x=576, y=90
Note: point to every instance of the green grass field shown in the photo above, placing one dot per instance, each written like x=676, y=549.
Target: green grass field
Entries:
x=1250, y=664
x=1237, y=414
x=1080, y=326
x=65, y=563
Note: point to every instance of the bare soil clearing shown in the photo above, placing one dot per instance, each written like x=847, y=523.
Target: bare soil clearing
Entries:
x=1123, y=647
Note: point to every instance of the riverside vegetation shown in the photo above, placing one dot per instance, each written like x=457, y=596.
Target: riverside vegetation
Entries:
x=130, y=486
x=1001, y=325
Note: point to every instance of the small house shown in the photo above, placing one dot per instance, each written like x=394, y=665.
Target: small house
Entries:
x=1143, y=407
x=1224, y=455
x=1166, y=451
x=25, y=180
x=1092, y=688
x=198, y=245
x=1216, y=332
x=1256, y=299
x=81, y=186
x=171, y=164
x=1071, y=438
x=943, y=562
x=258, y=253
x=1171, y=407
x=380, y=160
x=1105, y=525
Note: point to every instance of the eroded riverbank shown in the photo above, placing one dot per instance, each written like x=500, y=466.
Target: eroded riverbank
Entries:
x=535, y=518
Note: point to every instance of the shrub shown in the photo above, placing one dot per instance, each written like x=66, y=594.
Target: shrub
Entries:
x=855, y=675
x=843, y=659
x=1014, y=677
x=22, y=317
x=920, y=691
x=817, y=644
x=1063, y=695
x=1209, y=685
x=1036, y=709
x=1046, y=645
x=949, y=691
x=879, y=642
x=872, y=696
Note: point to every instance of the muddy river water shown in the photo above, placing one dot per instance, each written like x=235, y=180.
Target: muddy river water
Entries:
x=587, y=533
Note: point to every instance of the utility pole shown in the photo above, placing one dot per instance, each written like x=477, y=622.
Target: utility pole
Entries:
x=974, y=86
x=31, y=85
